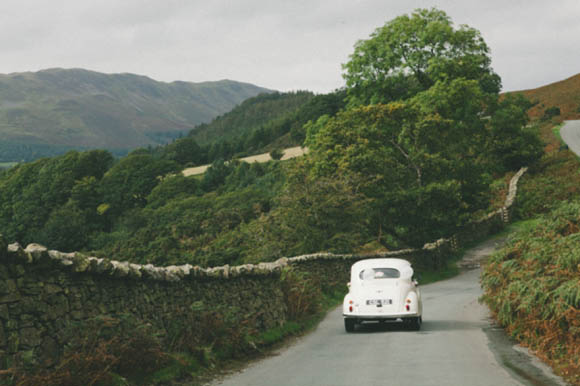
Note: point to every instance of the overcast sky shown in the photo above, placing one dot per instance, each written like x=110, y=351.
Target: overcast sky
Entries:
x=279, y=44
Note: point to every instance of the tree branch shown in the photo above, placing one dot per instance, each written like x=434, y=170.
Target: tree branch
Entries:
x=417, y=168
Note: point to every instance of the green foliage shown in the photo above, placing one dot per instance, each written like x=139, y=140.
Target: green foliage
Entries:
x=173, y=187
x=182, y=223
x=311, y=215
x=103, y=350
x=30, y=192
x=301, y=294
x=128, y=183
x=551, y=112
x=185, y=151
x=409, y=54
x=513, y=143
x=421, y=170
x=258, y=125
x=553, y=180
x=67, y=229
x=276, y=154
x=532, y=286
x=250, y=115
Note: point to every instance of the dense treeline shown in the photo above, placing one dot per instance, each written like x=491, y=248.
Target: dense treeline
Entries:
x=249, y=115
x=258, y=125
x=21, y=152
x=403, y=155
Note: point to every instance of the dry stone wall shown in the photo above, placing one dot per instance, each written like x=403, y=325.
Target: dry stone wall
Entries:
x=42, y=292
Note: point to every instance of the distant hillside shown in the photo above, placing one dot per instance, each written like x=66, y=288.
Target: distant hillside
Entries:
x=265, y=122
x=564, y=94
x=256, y=112
x=51, y=111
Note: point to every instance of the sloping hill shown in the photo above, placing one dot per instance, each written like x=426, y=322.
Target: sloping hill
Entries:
x=47, y=112
x=263, y=110
x=564, y=94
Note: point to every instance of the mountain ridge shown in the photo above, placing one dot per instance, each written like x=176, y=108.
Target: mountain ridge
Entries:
x=54, y=110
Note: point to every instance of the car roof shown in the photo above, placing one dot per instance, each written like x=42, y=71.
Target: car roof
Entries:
x=400, y=264
x=381, y=263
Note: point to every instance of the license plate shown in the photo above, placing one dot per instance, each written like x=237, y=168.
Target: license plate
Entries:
x=379, y=302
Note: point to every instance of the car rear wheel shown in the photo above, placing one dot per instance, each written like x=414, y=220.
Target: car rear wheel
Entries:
x=349, y=324
x=415, y=323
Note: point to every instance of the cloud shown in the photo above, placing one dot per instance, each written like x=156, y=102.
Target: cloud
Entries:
x=282, y=45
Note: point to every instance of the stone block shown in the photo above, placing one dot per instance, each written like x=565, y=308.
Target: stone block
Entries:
x=2, y=335
x=30, y=337
x=52, y=289
x=49, y=351
x=3, y=247
x=4, y=272
x=12, y=342
x=4, y=313
x=35, y=252
x=80, y=263
x=10, y=298
x=7, y=286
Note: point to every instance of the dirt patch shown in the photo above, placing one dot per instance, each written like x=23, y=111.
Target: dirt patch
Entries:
x=289, y=153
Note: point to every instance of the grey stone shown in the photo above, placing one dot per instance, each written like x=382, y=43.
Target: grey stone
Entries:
x=49, y=351
x=2, y=336
x=121, y=268
x=80, y=263
x=10, y=298
x=7, y=286
x=4, y=313
x=104, y=266
x=3, y=247
x=12, y=342
x=30, y=337
x=35, y=252
x=52, y=289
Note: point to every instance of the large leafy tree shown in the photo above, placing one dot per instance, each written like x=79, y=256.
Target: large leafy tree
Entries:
x=128, y=183
x=425, y=128
x=419, y=188
x=409, y=54
x=31, y=191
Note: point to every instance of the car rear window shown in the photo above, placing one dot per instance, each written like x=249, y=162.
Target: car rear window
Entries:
x=379, y=273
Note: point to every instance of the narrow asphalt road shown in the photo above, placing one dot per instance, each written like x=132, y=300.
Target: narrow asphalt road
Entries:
x=457, y=345
x=570, y=134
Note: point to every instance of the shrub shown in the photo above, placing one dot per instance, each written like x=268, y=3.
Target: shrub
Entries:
x=212, y=334
x=102, y=350
x=532, y=287
x=302, y=294
x=551, y=112
x=276, y=154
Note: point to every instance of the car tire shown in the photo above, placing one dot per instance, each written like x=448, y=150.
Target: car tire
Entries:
x=349, y=324
x=415, y=323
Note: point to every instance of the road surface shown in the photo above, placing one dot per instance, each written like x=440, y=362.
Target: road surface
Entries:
x=457, y=345
x=570, y=134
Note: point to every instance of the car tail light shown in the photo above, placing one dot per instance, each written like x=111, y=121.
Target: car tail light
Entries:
x=350, y=308
x=408, y=300
x=408, y=307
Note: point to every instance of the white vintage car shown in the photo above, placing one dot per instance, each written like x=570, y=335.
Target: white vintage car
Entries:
x=382, y=290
